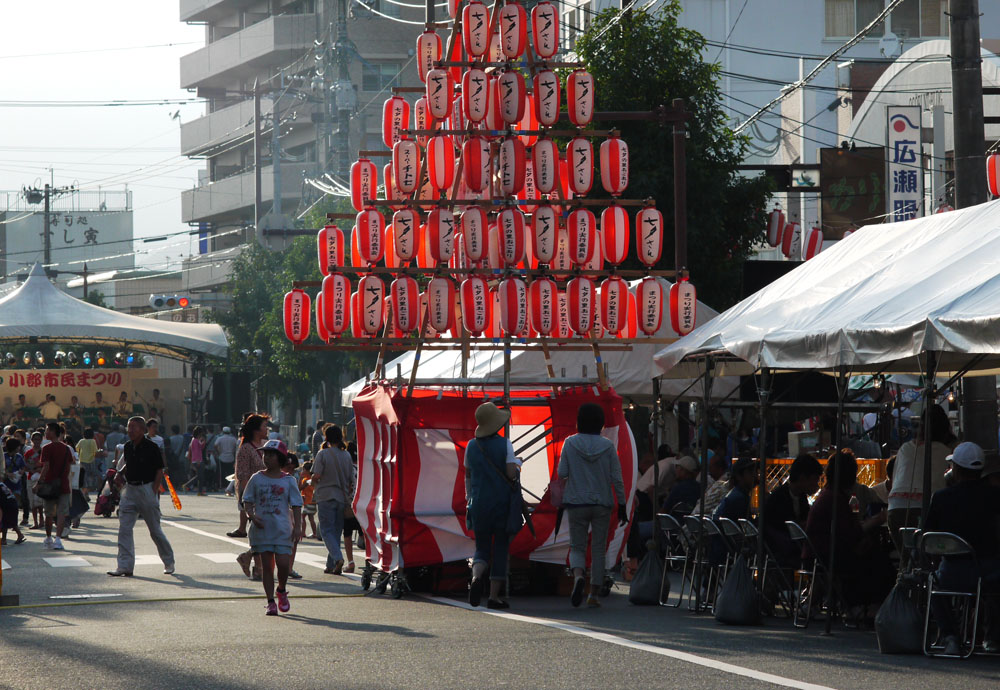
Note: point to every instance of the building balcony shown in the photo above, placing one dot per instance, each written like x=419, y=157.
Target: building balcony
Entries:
x=275, y=41
x=209, y=134
x=207, y=10
x=234, y=195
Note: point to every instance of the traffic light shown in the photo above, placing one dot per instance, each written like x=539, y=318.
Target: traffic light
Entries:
x=169, y=301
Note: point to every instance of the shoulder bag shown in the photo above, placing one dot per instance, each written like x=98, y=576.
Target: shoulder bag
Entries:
x=518, y=513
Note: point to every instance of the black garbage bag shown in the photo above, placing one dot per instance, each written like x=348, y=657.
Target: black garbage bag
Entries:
x=645, y=587
x=739, y=601
x=899, y=625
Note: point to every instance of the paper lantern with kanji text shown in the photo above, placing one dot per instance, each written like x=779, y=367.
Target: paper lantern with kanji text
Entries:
x=513, y=29
x=545, y=29
x=513, y=306
x=614, y=304
x=440, y=298
x=476, y=29
x=404, y=296
x=544, y=234
x=421, y=119
x=440, y=93
x=511, y=163
x=683, y=307
x=582, y=227
x=441, y=234
x=649, y=235
x=475, y=226
x=580, y=300
x=369, y=226
x=546, y=97
x=615, y=231
x=510, y=96
x=297, y=312
x=545, y=161
x=406, y=233
x=791, y=241
x=529, y=192
x=336, y=293
x=364, y=180
x=580, y=97
x=330, y=247
x=614, y=166
x=510, y=226
x=406, y=165
x=475, y=94
x=395, y=117
x=542, y=305
x=476, y=163
x=580, y=165
x=371, y=304
x=649, y=305
x=428, y=52
x=477, y=304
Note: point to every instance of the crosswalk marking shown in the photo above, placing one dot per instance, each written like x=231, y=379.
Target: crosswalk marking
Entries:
x=313, y=559
x=4, y=565
x=68, y=562
x=148, y=560
x=219, y=557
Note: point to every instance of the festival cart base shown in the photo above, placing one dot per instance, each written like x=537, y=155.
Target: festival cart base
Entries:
x=410, y=498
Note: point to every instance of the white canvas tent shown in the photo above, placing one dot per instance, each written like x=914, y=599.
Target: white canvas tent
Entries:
x=630, y=373
x=873, y=303
x=39, y=311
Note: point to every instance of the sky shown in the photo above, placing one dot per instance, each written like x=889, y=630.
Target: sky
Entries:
x=61, y=50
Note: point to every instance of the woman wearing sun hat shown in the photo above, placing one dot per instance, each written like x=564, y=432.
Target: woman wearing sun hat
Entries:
x=490, y=470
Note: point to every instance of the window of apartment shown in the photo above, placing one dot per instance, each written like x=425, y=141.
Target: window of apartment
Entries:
x=379, y=75
x=912, y=19
x=383, y=7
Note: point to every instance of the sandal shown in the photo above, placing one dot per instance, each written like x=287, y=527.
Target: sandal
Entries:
x=236, y=534
x=21, y=540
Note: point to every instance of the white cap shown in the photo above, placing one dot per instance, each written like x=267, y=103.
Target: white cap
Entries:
x=967, y=455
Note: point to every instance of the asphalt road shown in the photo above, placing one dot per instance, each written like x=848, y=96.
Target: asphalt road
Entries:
x=204, y=627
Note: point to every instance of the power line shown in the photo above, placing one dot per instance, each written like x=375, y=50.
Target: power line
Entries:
x=96, y=50
x=386, y=16
x=731, y=30
x=99, y=104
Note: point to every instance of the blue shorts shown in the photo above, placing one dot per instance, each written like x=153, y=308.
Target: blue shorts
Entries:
x=280, y=549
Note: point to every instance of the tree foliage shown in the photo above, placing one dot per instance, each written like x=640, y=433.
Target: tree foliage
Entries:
x=642, y=61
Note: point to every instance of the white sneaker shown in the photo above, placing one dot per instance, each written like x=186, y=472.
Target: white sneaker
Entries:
x=57, y=545
x=48, y=542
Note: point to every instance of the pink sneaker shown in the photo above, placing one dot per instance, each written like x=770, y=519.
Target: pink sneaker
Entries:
x=272, y=609
x=283, y=604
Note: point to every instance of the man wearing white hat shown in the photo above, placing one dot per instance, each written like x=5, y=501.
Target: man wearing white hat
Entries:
x=970, y=509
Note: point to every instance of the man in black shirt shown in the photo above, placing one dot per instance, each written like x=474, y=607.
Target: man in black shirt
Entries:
x=142, y=473
x=970, y=509
x=790, y=502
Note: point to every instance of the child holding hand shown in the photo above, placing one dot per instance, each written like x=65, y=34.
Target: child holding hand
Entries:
x=274, y=506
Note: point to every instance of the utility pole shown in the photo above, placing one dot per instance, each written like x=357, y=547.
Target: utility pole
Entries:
x=47, y=236
x=258, y=211
x=276, y=151
x=85, y=274
x=33, y=195
x=345, y=97
x=980, y=396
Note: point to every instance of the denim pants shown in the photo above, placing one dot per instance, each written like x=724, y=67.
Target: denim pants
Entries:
x=331, y=527
x=959, y=575
x=492, y=546
x=584, y=519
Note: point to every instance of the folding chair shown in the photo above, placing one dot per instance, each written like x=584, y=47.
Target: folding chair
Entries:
x=673, y=536
x=716, y=571
x=760, y=570
x=800, y=538
x=946, y=544
x=697, y=561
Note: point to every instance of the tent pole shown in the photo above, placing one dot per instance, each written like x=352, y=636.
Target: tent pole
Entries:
x=842, y=385
x=705, y=401
x=930, y=394
x=763, y=393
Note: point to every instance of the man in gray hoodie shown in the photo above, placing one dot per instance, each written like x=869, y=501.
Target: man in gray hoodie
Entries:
x=590, y=466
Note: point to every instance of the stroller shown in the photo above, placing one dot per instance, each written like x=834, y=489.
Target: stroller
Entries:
x=109, y=496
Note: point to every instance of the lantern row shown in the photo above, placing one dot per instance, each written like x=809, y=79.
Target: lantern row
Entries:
x=514, y=308
x=788, y=236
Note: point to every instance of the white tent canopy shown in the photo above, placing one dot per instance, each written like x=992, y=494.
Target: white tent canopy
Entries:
x=38, y=310
x=874, y=302
x=630, y=372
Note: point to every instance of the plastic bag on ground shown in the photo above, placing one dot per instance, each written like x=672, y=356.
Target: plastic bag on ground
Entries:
x=739, y=601
x=644, y=589
x=899, y=625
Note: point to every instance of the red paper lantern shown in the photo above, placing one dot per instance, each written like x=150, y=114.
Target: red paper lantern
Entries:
x=542, y=302
x=391, y=190
x=440, y=297
x=364, y=180
x=493, y=119
x=510, y=225
x=395, y=117
x=493, y=259
x=614, y=304
x=580, y=296
x=545, y=29
x=580, y=164
x=511, y=163
x=993, y=173
x=421, y=119
x=355, y=253
x=356, y=331
x=529, y=192
x=649, y=235
x=513, y=30
x=615, y=230
x=441, y=234
x=630, y=327
x=561, y=262
x=564, y=188
x=580, y=97
x=545, y=161
x=775, y=227
x=544, y=234
x=389, y=255
x=424, y=258
x=371, y=304
x=614, y=166
x=649, y=305
x=791, y=241
x=683, y=307
x=477, y=304
x=440, y=93
x=428, y=52
x=404, y=296
x=582, y=226
x=513, y=306
x=453, y=8
x=457, y=120
x=510, y=96
x=814, y=244
x=475, y=94
x=496, y=55
x=405, y=233
x=321, y=330
x=370, y=229
x=530, y=121
x=440, y=162
x=561, y=328
x=406, y=165
x=476, y=29
x=596, y=262
x=476, y=163
x=546, y=100
x=475, y=226
x=336, y=294
x=330, y=247
x=296, y=315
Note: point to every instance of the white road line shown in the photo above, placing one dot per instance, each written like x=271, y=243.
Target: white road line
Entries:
x=230, y=540
x=218, y=557
x=642, y=646
x=68, y=562
x=148, y=560
x=4, y=565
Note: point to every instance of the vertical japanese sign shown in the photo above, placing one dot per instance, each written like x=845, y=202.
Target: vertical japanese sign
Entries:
x=905, y=182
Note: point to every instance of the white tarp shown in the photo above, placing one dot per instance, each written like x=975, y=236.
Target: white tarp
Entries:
x=38, y=309
x=630, y=373
x=873, y=302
